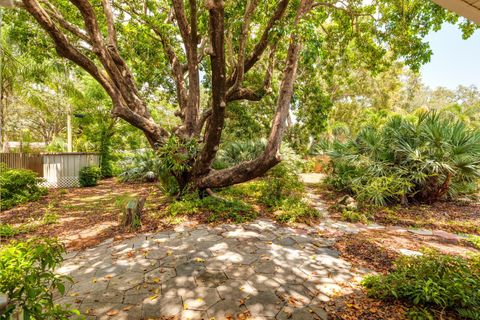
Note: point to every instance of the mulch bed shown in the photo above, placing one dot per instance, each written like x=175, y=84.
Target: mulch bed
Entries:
x=455, y=216
x=363, y=251
x=86, y=216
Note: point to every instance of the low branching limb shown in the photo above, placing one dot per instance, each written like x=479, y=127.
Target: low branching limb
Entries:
x=250, y=169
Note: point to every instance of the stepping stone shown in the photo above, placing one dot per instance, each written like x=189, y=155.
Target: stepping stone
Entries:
x=294, y=295
x=190, y=268
x=138, y=294
x=410, y=253
x=210, y=278
x=234, y=290
x=289, y=313
x=162, y=306
x=421, y=232
x=446, y=235
x=126, y=281
x=159, y=275
x=201, y=298
x=263, y=282
x=265, y=304
x=237, y=271
x=226, y=310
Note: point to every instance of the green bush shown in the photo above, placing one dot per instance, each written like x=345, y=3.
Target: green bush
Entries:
x=234, y=152
x=27, y=277
x=426, y=157
x=138, y=166
x=292, y=209
x=216, y=209
x=432, y=281
x=89, y=176
x=18, y=186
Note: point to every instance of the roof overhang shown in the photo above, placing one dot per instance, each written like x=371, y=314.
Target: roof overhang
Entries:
x=469, y=9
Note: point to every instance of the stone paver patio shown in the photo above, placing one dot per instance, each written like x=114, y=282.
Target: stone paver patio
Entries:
x=257, y=270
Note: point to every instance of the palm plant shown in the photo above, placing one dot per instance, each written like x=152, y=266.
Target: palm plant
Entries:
x=426, y=158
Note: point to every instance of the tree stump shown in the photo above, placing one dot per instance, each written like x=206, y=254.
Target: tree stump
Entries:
x=133, y=212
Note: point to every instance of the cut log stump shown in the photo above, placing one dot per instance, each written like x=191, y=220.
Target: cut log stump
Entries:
x=133, y=212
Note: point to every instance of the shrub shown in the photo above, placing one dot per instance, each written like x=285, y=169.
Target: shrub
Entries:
x=18, y=186
x=423, y=158
x=354, y=216
x=292, y=209
x=89, y=176
x=433, y=280
x=174, y=158
x=27, y=277
x=234, y=152
x=216, y=209
x=137, y=166
x=281, y=182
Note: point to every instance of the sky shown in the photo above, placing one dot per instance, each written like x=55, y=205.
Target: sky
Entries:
x=455, y=61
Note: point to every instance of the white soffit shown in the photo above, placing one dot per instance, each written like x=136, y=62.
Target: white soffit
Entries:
x=469, y=9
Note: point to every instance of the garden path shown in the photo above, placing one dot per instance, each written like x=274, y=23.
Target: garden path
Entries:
x=256, y=270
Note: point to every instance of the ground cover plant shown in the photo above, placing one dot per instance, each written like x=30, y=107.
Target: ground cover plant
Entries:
x=426, y=157
x=432, y=280
x=28, y=279
x=18, y=186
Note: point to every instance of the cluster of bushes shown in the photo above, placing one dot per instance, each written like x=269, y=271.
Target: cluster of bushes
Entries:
x=18, y=186
x=424, y=157
x=27, y=278
x=432, y=281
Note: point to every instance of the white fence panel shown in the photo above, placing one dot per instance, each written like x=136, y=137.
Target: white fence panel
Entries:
x=61, y=170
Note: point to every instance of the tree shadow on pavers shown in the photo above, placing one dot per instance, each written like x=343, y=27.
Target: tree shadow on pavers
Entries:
x=258, y=270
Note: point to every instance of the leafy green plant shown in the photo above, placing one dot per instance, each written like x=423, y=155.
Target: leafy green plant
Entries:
x=292, y=209
x=89, y=176
x=7, y=231
x=137, y=167
x=475, y=240
x=215, y=208
x=432, y=280
x=423, y=157
x=354, y=216
x=27, y=277
x=18, y=186
x=234, y=152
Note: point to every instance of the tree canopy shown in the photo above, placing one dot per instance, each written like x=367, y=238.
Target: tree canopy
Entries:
x=208, y=62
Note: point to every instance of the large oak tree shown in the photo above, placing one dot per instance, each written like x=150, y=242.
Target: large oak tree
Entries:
x=214, y=53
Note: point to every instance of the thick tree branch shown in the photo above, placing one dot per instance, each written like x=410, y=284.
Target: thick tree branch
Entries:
x=263, y=42
x=117, y=81
x=191, y=113
x=112, y=34
x=217, y=59
x=57, y=16
x=252, y=94
x=182, y=22
x=270, y=157
x=239, y=71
